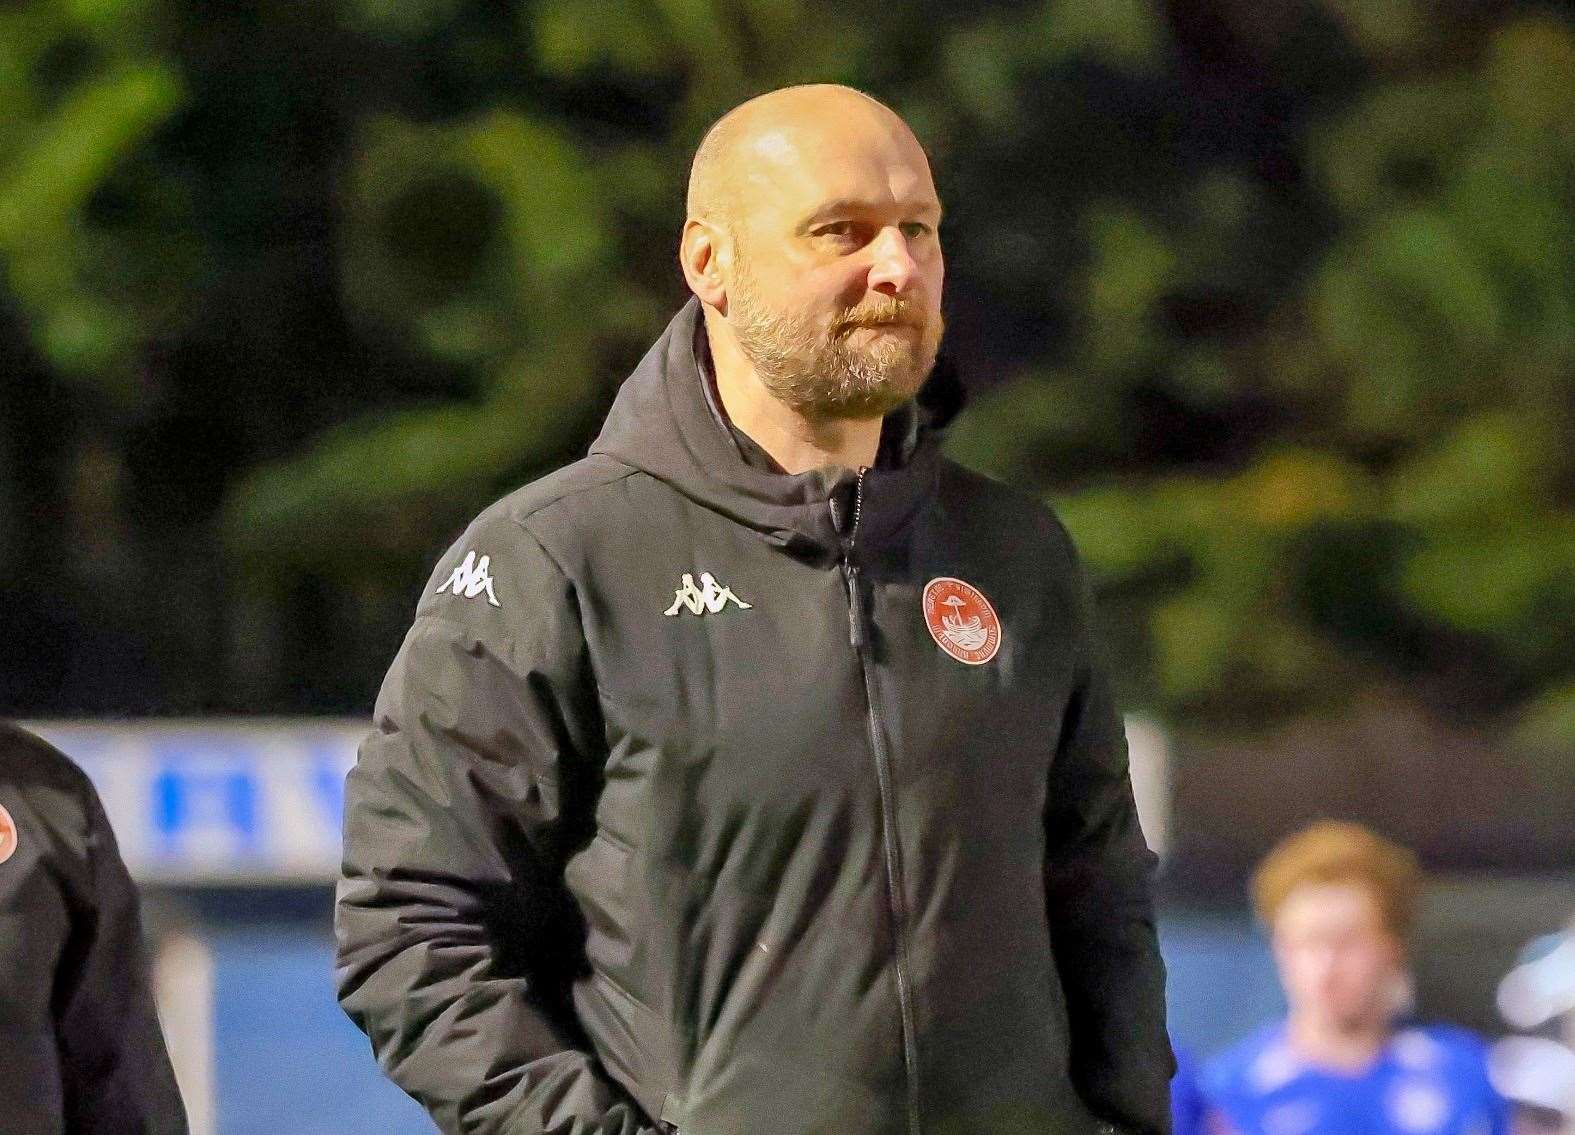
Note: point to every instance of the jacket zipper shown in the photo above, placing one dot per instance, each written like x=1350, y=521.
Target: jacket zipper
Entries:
x=858, y=636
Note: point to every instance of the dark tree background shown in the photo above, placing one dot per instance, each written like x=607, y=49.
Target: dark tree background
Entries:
x=1274, y=300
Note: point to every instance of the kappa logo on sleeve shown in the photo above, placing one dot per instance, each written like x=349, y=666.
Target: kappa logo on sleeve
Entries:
x=709, y=598
x=472, y=578
x=8, y=836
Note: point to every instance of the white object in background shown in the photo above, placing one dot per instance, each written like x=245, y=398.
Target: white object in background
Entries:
x=183, y=990
x=219, y=801
x=1537, y=991
x=1148, y=755
x=1535, y=1072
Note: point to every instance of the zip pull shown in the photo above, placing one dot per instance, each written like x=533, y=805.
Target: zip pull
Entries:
x=857, y=633
x=858, y=508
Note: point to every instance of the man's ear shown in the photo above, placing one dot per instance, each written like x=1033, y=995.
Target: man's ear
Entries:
x=700, y=252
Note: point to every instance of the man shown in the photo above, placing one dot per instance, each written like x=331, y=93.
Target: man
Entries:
x=1339, y=902
x=737, y=779
x=82, y=1050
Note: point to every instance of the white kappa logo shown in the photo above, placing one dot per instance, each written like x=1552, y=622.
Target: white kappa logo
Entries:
x=471, y=578
x=710, y=597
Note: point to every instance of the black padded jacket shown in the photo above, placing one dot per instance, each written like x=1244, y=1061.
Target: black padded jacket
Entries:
x=81, y=1052
x=713, y=799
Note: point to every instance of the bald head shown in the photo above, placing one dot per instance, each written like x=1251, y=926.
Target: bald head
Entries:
x=812, y=242
x=771, y=134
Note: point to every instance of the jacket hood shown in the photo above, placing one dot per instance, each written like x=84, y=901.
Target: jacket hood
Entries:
x=661, y=423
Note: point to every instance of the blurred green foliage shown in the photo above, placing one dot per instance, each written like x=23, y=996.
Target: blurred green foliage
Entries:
x=1275, y=303
x=1403, y=510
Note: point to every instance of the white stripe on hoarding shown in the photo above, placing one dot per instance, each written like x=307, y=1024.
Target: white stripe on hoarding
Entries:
x=219, y=802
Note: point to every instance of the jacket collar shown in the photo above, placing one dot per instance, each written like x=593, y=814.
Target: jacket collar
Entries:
x=661, y=423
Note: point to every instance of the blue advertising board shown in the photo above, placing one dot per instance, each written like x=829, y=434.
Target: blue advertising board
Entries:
x=214, y=802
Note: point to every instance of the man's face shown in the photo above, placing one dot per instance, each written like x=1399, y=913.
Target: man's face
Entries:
x=834, y=288
x=1338, y=962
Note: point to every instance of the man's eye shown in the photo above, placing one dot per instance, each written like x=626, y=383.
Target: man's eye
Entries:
x=913, y=230
x=839, y=230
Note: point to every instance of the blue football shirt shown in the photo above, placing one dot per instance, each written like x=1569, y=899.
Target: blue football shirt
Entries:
x=1187, y=1106
x=1428, y=1080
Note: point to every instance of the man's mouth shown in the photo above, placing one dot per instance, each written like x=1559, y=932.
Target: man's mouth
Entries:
x=881, y=325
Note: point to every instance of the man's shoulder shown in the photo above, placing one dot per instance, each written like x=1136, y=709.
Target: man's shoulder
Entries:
x=575, y=495
x=996, y=505
x=574, y=488
x=49, y=786
x=1005, y=517
x=518, y=552
x=1445, y=1055
x=1435, y=1047
x=509, y=545
x=1252, y=1066
x=29, y=761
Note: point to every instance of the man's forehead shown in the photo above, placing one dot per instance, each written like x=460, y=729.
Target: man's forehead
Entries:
x=812, y=167
x=1335, y=900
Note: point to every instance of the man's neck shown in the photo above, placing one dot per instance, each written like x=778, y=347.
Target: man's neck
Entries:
x=1344, y=1047
x=796, y=443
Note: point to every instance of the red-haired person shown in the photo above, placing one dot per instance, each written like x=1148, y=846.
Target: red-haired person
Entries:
x=1339, y=903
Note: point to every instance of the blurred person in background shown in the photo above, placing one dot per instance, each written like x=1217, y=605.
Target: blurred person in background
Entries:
x=1188, y=1109
x=1339, y=903
x=737, y=779
x=81, y=1052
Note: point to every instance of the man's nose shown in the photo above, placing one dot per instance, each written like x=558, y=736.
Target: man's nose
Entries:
x=893, y=268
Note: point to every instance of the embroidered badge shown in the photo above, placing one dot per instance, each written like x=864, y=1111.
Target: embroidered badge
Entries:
x=7, y=835
x=961, y=620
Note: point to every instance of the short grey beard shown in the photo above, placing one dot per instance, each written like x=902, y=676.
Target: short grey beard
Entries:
x=820, y=379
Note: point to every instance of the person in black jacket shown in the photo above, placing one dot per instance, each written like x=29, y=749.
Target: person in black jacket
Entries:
x=80, y=1048
x=756, y=774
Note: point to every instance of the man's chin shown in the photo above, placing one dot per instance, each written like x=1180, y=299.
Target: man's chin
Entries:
x=1351, y=1020
x=866, y=404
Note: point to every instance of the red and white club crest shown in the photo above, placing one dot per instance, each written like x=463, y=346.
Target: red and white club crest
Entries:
x=961, y=620
x=7, y=835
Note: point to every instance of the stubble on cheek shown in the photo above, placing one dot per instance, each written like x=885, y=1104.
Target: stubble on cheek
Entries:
x=838, y=366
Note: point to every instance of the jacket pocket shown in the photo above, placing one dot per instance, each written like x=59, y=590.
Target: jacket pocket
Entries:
x=639, y=1011
x=633, y=1041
